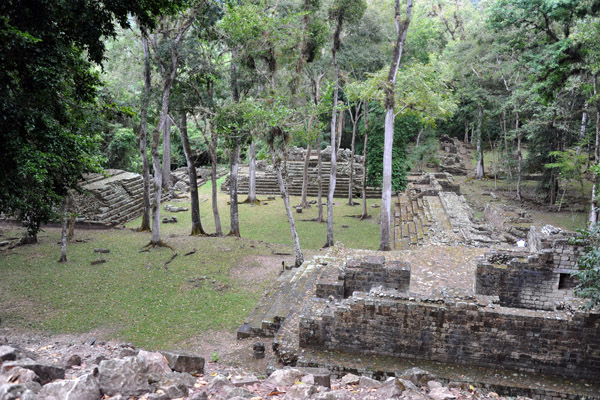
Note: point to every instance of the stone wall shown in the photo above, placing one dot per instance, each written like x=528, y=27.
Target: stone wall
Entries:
x=364, y=274
x=461, y=332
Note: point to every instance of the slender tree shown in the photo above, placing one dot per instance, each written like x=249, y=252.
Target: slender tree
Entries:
x=143, y=135
x=402, y=25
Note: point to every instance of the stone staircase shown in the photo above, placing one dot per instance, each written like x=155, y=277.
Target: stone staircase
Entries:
x=279, y=301
x=412, y=219
x=111, y=200
x=266, y=181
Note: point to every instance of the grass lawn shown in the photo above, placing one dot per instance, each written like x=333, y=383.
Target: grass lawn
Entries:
x=133, y=297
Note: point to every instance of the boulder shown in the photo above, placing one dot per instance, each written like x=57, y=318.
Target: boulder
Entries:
x=19, y=374
x=154, y=361
x=183, y=362
x=285, y=377
x=441, y=393
x=74, y=359
x=19, y=391
x=320, y=376
x=8, y=353
x=418, y=376
x=83, y=388
x=46, y=372
x=125, y=376
x=350, y=379
x=301, y=391
x=393, y=388
x=368, y=383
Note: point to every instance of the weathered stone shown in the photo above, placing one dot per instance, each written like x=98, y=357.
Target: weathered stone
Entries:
x=350, y=379
x=175, y=391
x=433, y=385
x=18, y=374
x=217, y=383
x=154, y=361
x=199, y=396
x=441, y=393
x=300, y=391
x=333, y=395
x=320, y=376
x=392, y=388
x=243, y=380
x=83, y=388
x=46, y=372
x=128, y=352
x=102, y=251
x=233, y=391
x=19, y=391
x=418, y=376
x=8, y=353
x=368, y=383
x=73, y=359
x=123, y=376
x=285, y=377
x=183, y=362
x=174, y=378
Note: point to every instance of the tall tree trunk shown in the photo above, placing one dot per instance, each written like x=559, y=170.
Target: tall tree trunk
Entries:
x=583, y=126
x=354, y=123
x=365, y=214
x=187, y=150
x=213, y=180
x=71, y=221
x=288, y=208
x=340, y=128
x=519, y=156
x=252, y=172
x=386, y=195
x=166, y=158
x=594, y=206
x=63, y=238
x=479, y=171
x=332, y=172
x=143, y=138
x=233, y=192
x=466, y=139
x=319, y=180
x=597, y=146
x=303, y=201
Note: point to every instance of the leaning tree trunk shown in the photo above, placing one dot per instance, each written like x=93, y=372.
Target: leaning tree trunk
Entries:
x=303, y=201
x=288, y=209
x=187, y=150
x=143, y=139
x=388, y=143
x=365, y=214
x=466, y=138
x=479, y=171
x=252, y=172
x=233, y=192
x=63, y=238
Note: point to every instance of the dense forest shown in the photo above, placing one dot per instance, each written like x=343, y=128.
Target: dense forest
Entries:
x=150, y=86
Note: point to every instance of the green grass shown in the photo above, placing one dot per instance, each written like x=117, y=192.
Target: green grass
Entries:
x=132, y=297
x=269, y=222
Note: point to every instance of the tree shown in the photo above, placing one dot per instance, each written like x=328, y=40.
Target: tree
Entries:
x=350, y=11
x=173, y=31
x=588, y=265
x=390, y=103
x=48, y=97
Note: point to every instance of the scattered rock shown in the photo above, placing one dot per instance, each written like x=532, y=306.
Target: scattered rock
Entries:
x=259, y=350
x=350, y=379
x=320, y=376
x=391, y=388
x=8, y=353
x=155, y=362
x=19, y=391
x=374, y=205
x=74, y=359
x=300, y=391
x=285, y=377
x=418, y=376
x=441, y=393
x=83, y=388
x=123, y=376
x=21, y=375
x=183, y=362
x=368, y=383
x=171, y=220
x=243, y=380
x=172, y=208
x=102, y=251
x=45, y=372
x=96, y=262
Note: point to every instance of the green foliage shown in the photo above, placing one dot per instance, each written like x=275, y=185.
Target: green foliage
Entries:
x=405, y=127
x=589, y=266
x=122, y=152
x=48, y=96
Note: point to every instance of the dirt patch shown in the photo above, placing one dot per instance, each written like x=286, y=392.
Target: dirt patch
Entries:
x=258, y=269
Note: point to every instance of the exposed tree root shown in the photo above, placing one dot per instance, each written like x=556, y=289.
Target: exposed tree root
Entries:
x=140, y=229
x=169, y=261
x=363, y=217
x=255, y=202
x=198, y=231
x=160, y=243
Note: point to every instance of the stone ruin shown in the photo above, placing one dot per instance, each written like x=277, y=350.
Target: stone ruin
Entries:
x=266, y=179
x=454, y=156
x=114, y=197
x=512, y=308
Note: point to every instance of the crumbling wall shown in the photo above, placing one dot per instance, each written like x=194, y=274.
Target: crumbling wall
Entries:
x=364, y=274
x=461, y=332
